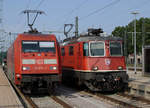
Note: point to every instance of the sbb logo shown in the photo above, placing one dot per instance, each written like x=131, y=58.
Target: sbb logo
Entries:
x=107, y=61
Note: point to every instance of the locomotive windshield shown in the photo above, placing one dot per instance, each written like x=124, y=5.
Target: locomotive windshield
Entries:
x=38, y=46
x=29, y=46
x=97, y=49
x=47, y=47
x=115, y=48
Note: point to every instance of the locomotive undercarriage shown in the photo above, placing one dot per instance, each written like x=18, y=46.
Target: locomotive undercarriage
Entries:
x=97, y=81
x=36, y=83
x=106, y=81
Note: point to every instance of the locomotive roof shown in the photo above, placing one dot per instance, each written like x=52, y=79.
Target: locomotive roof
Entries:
x=28, y=36
x=35, y=34
x=84, y=38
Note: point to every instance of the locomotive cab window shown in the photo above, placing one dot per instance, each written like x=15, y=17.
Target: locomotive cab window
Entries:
x=47, y=47
x=63, y=51
x=71, y=50
x=38, y=46
x=115, y=48
x=30, y=46
x=97, y=48
x=85, y=49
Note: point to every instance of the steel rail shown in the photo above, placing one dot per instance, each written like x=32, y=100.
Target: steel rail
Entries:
x=111, y=99
x=27, y=102
x=53, y=96
x=31, y=102
x=20, y=95
x=125, y=104
x=139, y=98
x=64, y=104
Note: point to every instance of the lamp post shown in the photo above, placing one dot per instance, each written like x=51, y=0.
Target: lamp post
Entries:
x=135, y=13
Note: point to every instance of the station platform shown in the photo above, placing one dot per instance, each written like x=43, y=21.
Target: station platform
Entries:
x=138, y=84
x=8, y=97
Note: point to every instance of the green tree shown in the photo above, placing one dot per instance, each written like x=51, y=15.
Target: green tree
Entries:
x=129, y=29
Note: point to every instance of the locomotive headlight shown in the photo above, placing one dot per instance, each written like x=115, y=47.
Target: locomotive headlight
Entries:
x=25, y=68
x=18, y=75
x=53, y=67
x=95, y=68
x=120, y=68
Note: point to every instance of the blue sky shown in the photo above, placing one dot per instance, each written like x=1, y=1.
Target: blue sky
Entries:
x=59, y=12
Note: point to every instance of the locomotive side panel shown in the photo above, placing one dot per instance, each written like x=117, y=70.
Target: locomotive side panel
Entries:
x=59, y=60
x=72, y=56
x=68, y=58
x=79, y=56
x=17, y=61
x=10, y=64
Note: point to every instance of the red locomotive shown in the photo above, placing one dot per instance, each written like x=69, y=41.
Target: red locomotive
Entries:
x=33, y=60
x=94, y=61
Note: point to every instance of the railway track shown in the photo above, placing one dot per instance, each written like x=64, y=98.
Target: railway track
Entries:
x=35, y=104
x=118, y=99
x=31, y=102
x=134, y=97
x=77, y=99
x=123, y=100
x=64, y=104
x=40, y=101
x=46, y=101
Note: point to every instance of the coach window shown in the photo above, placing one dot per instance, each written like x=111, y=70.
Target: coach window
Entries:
x=71, y=50
x=85, y=49
x=63, y=51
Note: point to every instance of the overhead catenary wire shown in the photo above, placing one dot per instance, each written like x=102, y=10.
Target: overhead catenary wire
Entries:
x=40, y=3
x=98, y=10
x=21, y=23
x=140, y=5
x=28, y=4
x=75, y=9
x=72, y=11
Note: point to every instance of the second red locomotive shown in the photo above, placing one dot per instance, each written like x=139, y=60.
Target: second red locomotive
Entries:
x=94, y=61
x=33, y=60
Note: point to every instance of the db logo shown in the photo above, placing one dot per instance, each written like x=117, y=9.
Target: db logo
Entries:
x=107, y=61
x=39, y=61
